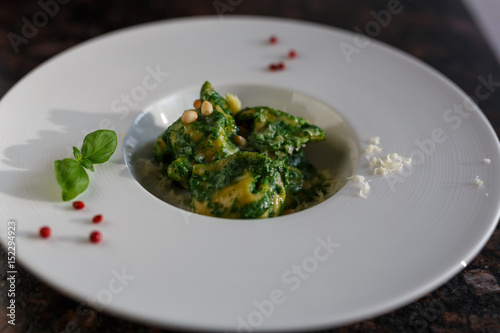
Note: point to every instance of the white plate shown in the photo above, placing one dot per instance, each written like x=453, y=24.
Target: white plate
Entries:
x=411, y=235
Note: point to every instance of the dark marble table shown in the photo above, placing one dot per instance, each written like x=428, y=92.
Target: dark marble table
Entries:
x=440, y=33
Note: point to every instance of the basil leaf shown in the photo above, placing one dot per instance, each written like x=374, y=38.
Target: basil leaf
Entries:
x=72, y=178
x=98, y=146
x=77, y=154
x=87, y=164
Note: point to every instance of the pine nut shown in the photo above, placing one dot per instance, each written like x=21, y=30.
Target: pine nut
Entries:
x=240, y=141
x=189, y=116
x=206, y=108
x=197, y=104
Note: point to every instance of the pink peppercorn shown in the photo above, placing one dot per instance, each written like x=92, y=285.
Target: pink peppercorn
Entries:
x=95, y=237
x=45, y=232
x=78, y=205
x=97, y=218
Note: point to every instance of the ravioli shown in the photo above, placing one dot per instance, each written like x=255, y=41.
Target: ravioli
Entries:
x=243, y=185
x=240, y=163
x=275, y=130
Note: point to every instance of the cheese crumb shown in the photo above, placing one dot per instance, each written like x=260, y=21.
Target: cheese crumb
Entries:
x=381, y=166
x=478, y=181
x=486, y=161
x=392, y=163
x=380, y=171
x=373, y=162
x=406, y=161
x=373, y=149
x=364, y=183
x=375, y=140
x=356, y=178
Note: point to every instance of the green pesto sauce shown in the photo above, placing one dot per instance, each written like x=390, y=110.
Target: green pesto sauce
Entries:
x=261, y=179
x=205, y=140
x=275, y=130
x=207, y=93
x=207, y=181
x=180, y=170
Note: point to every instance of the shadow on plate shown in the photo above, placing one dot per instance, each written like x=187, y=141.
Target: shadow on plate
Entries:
x=34, y=177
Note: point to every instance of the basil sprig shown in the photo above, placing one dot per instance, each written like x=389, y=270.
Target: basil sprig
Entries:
x=97, y=148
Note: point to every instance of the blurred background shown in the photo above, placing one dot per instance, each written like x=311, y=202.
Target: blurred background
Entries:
x=458, y=38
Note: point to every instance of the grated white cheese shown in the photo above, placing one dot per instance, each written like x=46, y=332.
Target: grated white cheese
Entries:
x=364, y=183
x=478, y=181
x=373, y=161
x=380, y=171
x=356, y=178
x=362, y=193
x=392, y=163
x=375, y=140
x=486, y=161
x=373, y=149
